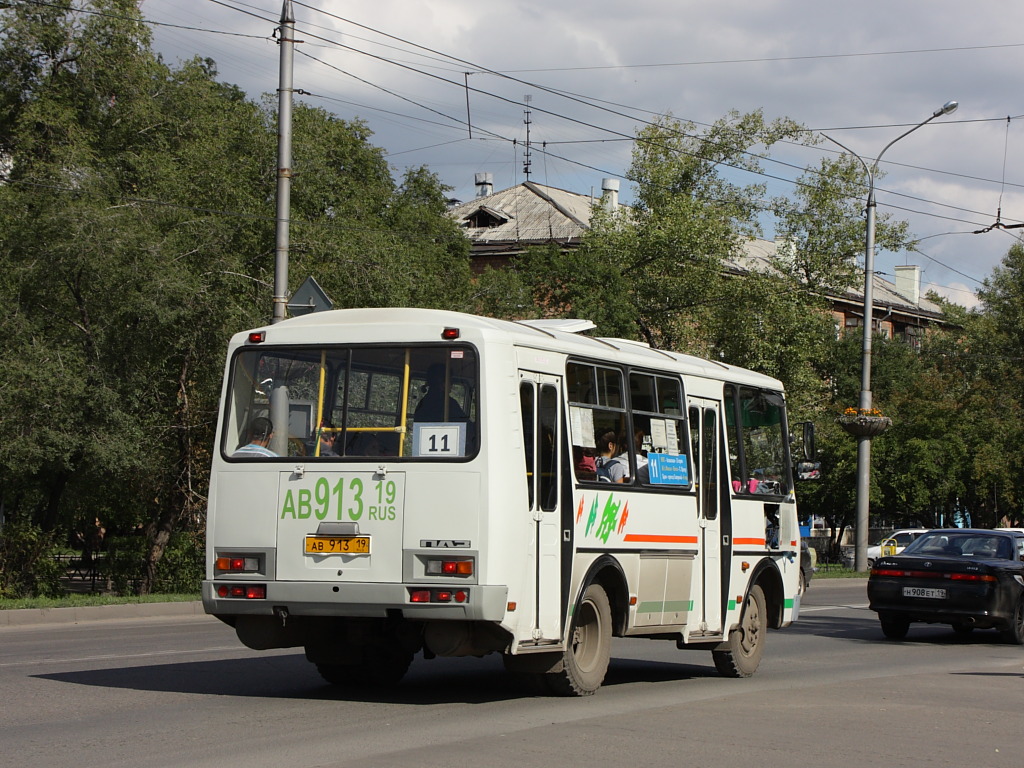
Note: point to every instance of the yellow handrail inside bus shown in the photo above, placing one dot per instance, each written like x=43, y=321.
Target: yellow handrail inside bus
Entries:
x=320, y=401
x=405, y=404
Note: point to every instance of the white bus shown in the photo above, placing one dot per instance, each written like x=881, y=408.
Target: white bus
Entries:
x=395, y=481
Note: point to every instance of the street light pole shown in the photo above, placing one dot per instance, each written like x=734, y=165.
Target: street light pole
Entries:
x=284, y=163
x=864, y=441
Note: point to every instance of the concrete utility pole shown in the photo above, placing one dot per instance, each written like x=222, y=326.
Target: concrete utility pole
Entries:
x=284, y=161
x=864, y=441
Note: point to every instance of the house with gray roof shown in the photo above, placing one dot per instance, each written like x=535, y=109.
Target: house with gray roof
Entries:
x=501, y=225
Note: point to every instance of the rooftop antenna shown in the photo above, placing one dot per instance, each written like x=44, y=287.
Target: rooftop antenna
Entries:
x=526, y=155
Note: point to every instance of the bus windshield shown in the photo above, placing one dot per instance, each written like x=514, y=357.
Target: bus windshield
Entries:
x=338, y=403
x=758, y=444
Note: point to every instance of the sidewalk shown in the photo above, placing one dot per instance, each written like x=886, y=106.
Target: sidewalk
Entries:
x=24, y=617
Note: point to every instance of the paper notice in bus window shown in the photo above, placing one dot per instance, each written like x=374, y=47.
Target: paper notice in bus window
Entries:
x=659, y=435
x=668, y=470
x=581, y=421
x=439, y=439
x=671, y=437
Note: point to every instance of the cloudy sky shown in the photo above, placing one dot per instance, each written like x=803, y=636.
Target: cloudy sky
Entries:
x=595, y=71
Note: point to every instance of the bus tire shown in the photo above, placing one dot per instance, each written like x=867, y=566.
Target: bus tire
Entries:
x=585, y=659
x=740, y=654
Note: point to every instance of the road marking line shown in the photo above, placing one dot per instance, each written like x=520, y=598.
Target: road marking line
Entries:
x=115, y=656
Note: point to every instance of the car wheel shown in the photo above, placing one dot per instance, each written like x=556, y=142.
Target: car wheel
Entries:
x=1015, y=632
x=894, y=627
x=963, y=629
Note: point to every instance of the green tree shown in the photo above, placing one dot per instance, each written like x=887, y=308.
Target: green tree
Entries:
x=137, y=235
x=822, y=230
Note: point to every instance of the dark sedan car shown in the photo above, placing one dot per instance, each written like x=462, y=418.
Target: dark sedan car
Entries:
x=806, y=566
x=964, y=577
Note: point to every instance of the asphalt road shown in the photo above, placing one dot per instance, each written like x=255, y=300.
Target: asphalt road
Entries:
x=180, y=690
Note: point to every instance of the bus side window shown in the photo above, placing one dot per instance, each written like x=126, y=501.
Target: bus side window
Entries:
x=595, y=410
x=659, y=438
x=526, y=404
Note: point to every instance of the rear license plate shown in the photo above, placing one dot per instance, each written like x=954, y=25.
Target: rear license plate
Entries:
x=939, y=594
x=337, y=545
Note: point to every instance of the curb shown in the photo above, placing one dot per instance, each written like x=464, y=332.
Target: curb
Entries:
x=24, y=617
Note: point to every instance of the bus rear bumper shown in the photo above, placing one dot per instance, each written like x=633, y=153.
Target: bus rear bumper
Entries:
x=313, y=598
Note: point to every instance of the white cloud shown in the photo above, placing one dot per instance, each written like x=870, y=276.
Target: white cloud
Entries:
x=831, y=66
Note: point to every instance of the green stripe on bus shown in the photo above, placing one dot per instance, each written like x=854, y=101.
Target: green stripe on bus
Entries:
x=788, y=602
x=658, y=606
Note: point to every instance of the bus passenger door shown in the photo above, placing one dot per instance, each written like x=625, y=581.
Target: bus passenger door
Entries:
x=705, y=423
x=540, y=397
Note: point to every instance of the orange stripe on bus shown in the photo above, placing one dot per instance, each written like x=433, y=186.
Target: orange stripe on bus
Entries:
x=754, y=542
x=655, y=539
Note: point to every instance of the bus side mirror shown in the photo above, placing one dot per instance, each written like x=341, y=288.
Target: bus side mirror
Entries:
x=809, y=449
x=808, y=470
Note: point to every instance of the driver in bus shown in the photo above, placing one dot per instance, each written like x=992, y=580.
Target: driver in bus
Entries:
x=261, y=430
x=328, y=437
x=433, y=406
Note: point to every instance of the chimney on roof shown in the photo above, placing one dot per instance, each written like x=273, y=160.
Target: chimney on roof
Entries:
x=610, y=194
x=908, y=282
x=484, y=184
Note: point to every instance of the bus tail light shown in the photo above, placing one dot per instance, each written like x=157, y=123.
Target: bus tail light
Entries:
x=461, y=567
x=243, y=591
x=438, y=595
x=231, y=564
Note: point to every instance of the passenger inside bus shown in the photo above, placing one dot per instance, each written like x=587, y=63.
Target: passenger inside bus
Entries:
x=261, y=430
x=327, y=437
x=611, y=468
x=643, y=472
x=435, y=406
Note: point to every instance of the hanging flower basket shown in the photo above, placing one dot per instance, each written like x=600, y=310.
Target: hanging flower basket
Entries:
x=864, y=423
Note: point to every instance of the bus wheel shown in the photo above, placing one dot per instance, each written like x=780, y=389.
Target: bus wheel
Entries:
x=585, y=661
x=741, y=654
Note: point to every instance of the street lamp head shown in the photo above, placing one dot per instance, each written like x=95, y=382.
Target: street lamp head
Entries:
x=948, y=108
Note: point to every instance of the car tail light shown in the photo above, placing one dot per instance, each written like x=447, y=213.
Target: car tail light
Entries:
x=972, y=577
x=462, y=567
x=900, y=573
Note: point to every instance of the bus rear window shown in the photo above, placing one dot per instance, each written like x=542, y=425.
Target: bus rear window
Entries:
x=350, y=403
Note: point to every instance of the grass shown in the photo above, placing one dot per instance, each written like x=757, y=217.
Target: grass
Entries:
x=838, y=572
x=83, y=600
